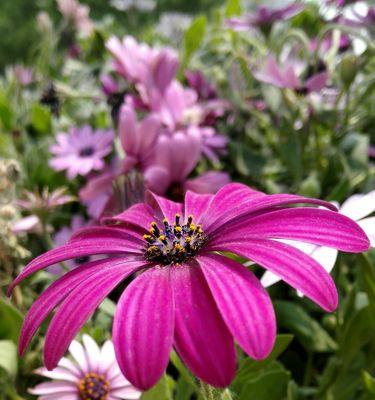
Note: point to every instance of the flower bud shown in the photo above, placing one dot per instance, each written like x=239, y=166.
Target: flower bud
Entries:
x=348, y=69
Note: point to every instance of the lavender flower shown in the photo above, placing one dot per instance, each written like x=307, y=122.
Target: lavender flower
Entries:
x=81, y=151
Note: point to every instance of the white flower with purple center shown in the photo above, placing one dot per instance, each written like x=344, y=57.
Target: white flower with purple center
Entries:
x=92, y=375
x=81, y=151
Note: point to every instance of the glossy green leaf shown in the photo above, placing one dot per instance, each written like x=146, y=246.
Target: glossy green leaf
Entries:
x=11, y=321
x=308, y=331
x=161, y=391
x=233, y=7
x=41, y=118
x=193, y=38
x=8, y=357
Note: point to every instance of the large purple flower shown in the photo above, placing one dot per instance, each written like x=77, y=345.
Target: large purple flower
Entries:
x=81, y=151
x=186, y=294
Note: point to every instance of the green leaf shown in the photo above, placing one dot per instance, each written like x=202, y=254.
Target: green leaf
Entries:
x=312, y=336
x=11, y=321
x=41, y=118
x=357, y=333
x=160, y=391
x=182, y=370
x=6, y=113
x=249, y=367
x=108, y=306
x=369, y=382
x=233, y=8
x=368, y=275
x=269, y=384
x=193, y=38
x=8, y=357
x=247, y=161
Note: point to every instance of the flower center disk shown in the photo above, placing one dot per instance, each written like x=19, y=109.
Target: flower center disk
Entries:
x=93, y=387
x=173, y=244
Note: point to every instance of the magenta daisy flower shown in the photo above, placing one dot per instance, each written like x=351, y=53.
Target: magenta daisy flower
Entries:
x=91, y=374
x=186, y=294
x=81, y=151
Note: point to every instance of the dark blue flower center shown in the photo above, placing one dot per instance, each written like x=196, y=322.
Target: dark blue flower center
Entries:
x=173, y=243
x=93, y=387
x=86, y=152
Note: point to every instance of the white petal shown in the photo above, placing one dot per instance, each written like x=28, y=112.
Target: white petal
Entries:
x=359, y=206
x=67, y=364
x=325, y=256
x=79, y=354
x=58, y=373
x=53, y=388
x=92, y=352
x=107, y=356
x=126, y=393
x=60, y=397
x=269, y=278
x=368, y=225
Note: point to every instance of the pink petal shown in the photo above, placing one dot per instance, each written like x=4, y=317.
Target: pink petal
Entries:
x=291, y=265
x=168, y=208
x=79, y=305
x=225, y=199
x=201, y=337
x=243, y=303
x=312, y=225
x=228, y=205
x=196, y=204
x=76, y=249
x=317, y=82
x=143, y=328
x=53, y=295
x=140, y=215
x=60, y=374
x=104, y=232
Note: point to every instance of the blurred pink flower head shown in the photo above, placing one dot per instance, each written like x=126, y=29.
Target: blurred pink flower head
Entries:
x=92, y=373
x=138, y=139
x=176, y=155
x=197, y=81
x=140, y=64
x=186, y=294
x=23, y=75
x=81, y=151
x=179, y=110
x=264, y=16
x=287, y=76
x=77, y=13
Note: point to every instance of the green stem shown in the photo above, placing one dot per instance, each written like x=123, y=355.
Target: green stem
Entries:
x=207, y=391
x=309, y=369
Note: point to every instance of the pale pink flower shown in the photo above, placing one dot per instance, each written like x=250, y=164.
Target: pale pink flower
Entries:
x=90, y=373
x=81, y=151
x=77, y=13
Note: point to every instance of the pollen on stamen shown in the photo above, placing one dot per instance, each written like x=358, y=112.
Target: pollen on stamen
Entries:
x=173, y=244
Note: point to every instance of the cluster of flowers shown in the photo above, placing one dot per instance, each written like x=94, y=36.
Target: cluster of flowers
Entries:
x=164, y=147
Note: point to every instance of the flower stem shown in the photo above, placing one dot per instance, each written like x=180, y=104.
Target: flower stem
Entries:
x=207, y=391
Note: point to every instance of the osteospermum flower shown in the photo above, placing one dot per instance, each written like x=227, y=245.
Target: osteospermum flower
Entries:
x=81, y=150
x=93, y=374
x=186, y=294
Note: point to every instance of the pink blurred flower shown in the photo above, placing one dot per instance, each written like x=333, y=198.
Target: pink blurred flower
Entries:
x=138, y=63
x=109, y=85
x=186, y=294
x=197, y=81
x=287, y=76
x=23, y=75
x=264, y=16
x=179, y=110
x=138, y=139
x=81, y=150
x=91, y=373
x=76, y=13
x=29, y=224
